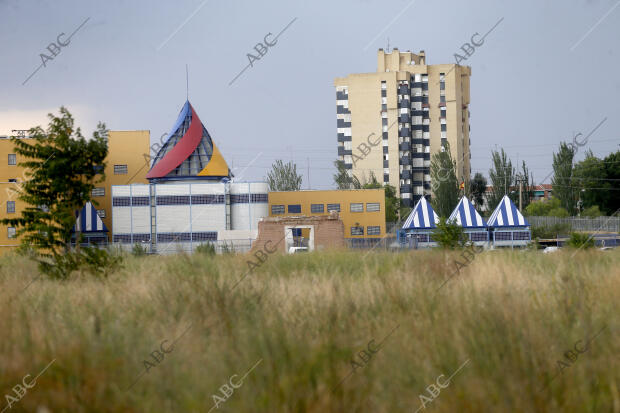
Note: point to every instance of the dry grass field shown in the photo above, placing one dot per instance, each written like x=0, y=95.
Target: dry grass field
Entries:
x=336, y=331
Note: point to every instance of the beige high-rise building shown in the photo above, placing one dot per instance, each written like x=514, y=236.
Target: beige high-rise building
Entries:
x=391, y=121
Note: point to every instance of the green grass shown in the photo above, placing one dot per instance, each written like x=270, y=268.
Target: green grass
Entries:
x=511, y=314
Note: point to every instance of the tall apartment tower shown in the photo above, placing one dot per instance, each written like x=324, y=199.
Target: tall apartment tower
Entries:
x=390, y=122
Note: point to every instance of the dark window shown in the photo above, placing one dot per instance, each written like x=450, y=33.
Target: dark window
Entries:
x=140, y=201
x=357, y=230
x=12, y=159
x=317, y=208
x=294, y=209
x=256, y=198
x=374, y=230
x=277, y=209
x=442, y=99
x=101, y=213
x=10, y=207
x=13, y=180
x=208, y=199
x=173, y=200
x=10, y=232
x=333, y=207
x=120, y=169
x=443, y=127
x=121, y=201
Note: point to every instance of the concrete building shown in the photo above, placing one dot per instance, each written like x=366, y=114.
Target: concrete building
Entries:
x=390, y=122
x=362, y=210
x=125, y=164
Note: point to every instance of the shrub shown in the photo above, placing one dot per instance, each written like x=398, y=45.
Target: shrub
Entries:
x=138, y=250
x=580, y=240
x=592, y=212
x=207, y=249
x=449, y=235
x=544, y=232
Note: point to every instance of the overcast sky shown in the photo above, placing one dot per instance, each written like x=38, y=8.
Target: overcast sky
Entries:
x=549, y=70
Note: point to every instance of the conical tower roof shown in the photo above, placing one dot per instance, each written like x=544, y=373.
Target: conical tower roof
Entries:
x=189, y=151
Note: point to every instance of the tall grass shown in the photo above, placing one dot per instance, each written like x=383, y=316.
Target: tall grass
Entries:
x=513, y=315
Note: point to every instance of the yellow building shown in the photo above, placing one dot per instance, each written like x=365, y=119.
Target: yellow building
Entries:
x=126, y=163
x=362, y=210
x=391, y=121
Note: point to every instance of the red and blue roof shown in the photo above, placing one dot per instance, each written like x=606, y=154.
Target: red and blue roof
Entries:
x=189, y=151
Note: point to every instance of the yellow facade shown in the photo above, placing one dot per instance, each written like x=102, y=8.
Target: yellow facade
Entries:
x=127, y=162
x=371, y=115
x=358, y=208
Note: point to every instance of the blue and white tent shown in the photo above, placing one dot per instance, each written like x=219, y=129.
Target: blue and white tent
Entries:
x=507, y=226
x=90, y=225
x=422, y=216
x=507, y=215
x=419, y=225
x=465, y=215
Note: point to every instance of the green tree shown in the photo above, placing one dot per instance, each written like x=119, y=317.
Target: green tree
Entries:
x=526, y=179
x=546, y=207
x=284, y=177
x=598, y=182
x=562, y=180
x=444, y=182
x=62, y=168
x=342, y=179
x=449, y=235
x=478, y=189
x=502, y=175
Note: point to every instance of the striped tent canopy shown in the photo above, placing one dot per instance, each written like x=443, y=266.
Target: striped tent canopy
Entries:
x=87, y=220
x=466, y=215
x=422, y=216
x=189, y=151
x=507, y=215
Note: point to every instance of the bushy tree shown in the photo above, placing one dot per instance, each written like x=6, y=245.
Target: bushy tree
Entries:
x=478, y=189
x=444, y=183
x=62, y=168
x=284, y=177
x=546, y=207
x=598, y=182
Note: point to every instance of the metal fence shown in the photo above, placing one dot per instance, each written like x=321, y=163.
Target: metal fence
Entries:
x=604, y=224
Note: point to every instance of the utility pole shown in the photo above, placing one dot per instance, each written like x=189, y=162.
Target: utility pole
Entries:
x=520, y=192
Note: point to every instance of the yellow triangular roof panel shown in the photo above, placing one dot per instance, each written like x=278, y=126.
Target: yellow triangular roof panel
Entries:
x=217, y=165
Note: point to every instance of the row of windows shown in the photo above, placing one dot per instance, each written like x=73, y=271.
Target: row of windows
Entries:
x=320, y=208
x=371, y=230
x=123, y=201
x=10, y=209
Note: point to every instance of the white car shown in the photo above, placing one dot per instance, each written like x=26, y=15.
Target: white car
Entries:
x=297, y=250
x=548, y=250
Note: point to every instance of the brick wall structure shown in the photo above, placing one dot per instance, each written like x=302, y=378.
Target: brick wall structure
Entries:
x=328, y=231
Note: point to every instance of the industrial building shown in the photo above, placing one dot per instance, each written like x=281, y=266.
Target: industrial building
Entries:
x=390, y=122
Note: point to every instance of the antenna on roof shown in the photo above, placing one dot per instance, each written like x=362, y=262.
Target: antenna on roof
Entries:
x=187, y=82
